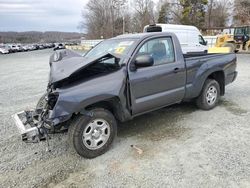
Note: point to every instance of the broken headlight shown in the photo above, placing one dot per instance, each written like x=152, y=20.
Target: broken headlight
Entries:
x=52, y=99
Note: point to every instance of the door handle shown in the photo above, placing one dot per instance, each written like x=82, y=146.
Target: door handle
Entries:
x=176, y=70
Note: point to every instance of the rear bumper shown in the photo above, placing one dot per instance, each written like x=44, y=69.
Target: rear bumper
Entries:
x=235, y=76
x=231, y=77
x=28, y=132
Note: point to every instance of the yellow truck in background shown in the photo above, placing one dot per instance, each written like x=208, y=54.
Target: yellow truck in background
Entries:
x=239, y=41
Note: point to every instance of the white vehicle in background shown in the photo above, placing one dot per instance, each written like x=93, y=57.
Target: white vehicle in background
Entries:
x=190, y=37
x=3, y=50
x=59, y=46
x=25, y=48
x=19, y=48
x=14, y=48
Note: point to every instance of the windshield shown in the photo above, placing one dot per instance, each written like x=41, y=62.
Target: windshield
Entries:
x=240, y=31
x=115, y=46
x=248, y=30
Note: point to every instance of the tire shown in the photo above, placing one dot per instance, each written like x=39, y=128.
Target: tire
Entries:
x=209, y=95
x=248, y=48
x=231, y=46
x=92, y=136
x=42, y=102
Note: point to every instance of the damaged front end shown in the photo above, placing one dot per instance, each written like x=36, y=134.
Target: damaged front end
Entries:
x=31, y=130
x=34, y=125
x=73, y=83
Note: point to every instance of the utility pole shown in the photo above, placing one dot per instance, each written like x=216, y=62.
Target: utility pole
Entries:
x=123, y=24
x=112, y=19
x=123, y=6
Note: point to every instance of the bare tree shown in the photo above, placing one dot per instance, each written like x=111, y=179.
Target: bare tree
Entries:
x=108, y=18
x=144, y=14
x=210, y=8
x=242, y=12
x=102, y=18
x=218, y=13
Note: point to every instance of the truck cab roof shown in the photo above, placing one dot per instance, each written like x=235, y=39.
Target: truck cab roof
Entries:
x=143, y=35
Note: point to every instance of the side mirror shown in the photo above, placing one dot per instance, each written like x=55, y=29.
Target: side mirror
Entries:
x=144, y=61
x=206, y=43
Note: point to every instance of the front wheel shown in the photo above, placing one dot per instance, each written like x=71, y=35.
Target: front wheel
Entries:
x=209, y=95
x=93, y=135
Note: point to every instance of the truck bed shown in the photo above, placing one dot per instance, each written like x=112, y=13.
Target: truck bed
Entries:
x=190, y=55
x=202, y=61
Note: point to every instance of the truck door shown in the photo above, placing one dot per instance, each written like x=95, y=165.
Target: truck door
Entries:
x=161, y=84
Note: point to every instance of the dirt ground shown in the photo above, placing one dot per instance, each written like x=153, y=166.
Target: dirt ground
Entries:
x=182, y=146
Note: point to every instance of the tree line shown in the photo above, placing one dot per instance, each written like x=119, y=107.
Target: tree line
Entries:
x=38, y=37
x=108, y=18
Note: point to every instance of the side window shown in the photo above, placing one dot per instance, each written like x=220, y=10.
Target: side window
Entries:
x=161, y=49
x=248, y=30
x=110, y=61
x=202, y=41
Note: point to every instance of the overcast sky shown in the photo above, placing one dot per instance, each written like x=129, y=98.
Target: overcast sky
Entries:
x=40, y=15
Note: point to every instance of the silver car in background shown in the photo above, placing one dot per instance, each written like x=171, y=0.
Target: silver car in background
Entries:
x=3, y=50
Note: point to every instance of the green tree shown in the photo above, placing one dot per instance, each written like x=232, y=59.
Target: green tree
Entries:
x=193, y=12
x=163, y=14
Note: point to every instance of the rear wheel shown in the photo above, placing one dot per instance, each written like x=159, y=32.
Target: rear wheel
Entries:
x=209, y=95
x=248, y=48
x=92, y=136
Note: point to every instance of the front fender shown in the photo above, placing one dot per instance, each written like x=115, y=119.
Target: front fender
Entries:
x=77, y=97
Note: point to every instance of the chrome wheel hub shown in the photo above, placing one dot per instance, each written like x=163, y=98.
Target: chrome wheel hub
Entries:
x=96, y=134
x=211, y=95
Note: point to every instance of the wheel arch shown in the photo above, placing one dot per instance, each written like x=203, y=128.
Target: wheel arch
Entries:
x=194, y=89
x=112, y=104
x=219, y=76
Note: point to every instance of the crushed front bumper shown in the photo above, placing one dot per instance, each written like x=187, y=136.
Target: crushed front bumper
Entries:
x=28, y=128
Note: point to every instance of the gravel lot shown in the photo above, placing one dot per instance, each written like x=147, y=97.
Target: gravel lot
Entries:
x=182, y=146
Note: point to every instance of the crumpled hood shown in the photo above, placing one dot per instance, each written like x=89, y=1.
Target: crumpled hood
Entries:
x=65, y=63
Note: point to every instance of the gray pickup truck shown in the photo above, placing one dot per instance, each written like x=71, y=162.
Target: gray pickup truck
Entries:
x=117, y=80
